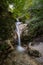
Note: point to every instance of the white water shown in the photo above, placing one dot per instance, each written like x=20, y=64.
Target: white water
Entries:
x=18, y=32
x=19, y=47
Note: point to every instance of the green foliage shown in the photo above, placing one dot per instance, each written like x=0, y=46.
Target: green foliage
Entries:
x=37, y=8
x=6, y=28
x=9, y=11
x=36, y=20
x=35, y=29
x=3, y=46
x=23, y=9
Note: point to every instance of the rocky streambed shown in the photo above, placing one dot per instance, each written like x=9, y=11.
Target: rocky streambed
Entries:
x=23, y=58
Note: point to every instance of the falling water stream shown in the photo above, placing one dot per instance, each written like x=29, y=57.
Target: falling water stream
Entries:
x=18, y=31
x=19, y=47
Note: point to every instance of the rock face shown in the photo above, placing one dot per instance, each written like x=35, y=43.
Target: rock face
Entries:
x=22, y=27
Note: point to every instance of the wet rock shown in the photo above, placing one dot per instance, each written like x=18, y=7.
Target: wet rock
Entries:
x=33, y=52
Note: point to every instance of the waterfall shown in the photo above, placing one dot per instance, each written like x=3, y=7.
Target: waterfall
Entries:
x=19, y=47
x=18, y=32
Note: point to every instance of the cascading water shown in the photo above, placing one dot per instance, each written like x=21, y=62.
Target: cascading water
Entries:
x=18, y=32
x=19, y=47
